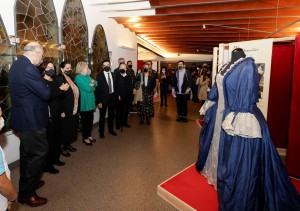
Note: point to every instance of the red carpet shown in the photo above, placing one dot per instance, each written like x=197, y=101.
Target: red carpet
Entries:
x=199, y=122
x=189, y=190
x=192, y=188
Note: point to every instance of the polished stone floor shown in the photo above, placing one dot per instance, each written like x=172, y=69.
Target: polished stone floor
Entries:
x=122, y=172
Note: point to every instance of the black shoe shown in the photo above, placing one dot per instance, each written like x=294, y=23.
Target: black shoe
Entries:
x=87, y=143
x=70, y=148
x=92, y=139
x=113, y=133
x=184, y=119
x=142, y=120
x=64, y=152
x=148, y=120
x=101, y=135
x=59, y=163
x=51, y=170
x=127, y=125
x=179, y=119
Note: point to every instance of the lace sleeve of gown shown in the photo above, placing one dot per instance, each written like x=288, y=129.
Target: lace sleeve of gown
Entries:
x=240, y=121
x=211, y=100
x=242, y=124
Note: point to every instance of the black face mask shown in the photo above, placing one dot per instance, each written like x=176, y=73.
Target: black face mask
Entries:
x=145, y=70
x=122, y=71
x=50, y=72
x=106, y=69
x=130, y=66
x=68, y=72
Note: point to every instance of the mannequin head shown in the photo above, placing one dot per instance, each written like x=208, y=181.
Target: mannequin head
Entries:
x=237, y=54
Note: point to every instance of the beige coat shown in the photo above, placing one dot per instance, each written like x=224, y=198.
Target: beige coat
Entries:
x=202, y=87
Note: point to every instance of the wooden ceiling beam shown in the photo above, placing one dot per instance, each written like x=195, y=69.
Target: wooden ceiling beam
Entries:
x=292, y=13
x=228, y=7
x=281, y=20
x=171, y=3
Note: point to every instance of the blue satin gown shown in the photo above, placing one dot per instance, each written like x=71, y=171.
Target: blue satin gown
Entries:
x=249, y=172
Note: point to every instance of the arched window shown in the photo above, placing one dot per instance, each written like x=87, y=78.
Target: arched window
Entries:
x=74, y=32
x=37, y=21
x=6, y=59
x=100, y=50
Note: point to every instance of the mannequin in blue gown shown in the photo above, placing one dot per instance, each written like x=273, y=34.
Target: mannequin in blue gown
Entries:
x=246, y=170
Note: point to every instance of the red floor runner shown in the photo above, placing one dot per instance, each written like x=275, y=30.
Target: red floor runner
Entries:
x=192, y=188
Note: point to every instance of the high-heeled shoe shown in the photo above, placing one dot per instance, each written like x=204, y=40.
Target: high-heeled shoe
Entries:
x=92, y=139
x=87, y=143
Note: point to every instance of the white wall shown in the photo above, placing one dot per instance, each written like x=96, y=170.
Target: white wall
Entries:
x=116, y=36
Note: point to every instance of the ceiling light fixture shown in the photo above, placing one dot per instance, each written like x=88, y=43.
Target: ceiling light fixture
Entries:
x=133, y=20
x=203, y=26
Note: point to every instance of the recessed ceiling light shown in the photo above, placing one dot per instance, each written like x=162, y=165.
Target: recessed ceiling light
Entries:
x=204, y=27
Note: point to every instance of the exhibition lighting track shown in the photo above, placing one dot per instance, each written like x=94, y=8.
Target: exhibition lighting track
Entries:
x=160, y=51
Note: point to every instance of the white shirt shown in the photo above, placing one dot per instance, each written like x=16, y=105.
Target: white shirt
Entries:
x=111, y=79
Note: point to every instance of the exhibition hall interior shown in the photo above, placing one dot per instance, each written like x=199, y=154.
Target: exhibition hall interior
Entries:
x=150, y=105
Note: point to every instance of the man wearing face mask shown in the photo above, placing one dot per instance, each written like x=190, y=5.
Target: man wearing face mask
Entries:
x=181, y=87
x=120, y=61
x=123, y=92
x=29, y=119
x=106, y=98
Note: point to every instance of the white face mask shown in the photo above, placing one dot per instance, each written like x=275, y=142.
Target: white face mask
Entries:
x=163, y=71
x=88, y=71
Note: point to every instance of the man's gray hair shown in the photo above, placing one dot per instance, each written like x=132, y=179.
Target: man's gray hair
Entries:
x=121, y=59
x=32, y=46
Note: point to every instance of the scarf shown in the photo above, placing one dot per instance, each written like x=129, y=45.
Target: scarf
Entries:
x=75, y=92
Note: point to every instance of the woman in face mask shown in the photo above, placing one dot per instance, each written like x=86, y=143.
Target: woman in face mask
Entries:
x=163, y=84
x=53, y=128
x=147, y=82
x=69, y=108
x=87, y=104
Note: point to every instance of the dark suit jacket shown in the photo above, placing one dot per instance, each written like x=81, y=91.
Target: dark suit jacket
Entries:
x=102, y=90
x=186, y=82
x=29, y=97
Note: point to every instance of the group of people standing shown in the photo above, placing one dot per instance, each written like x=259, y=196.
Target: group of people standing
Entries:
x=46, y=107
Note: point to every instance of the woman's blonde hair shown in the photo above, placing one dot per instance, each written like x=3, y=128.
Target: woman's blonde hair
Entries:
x=80, y=67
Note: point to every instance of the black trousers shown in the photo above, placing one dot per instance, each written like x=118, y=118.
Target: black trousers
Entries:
x=111, y=106
x=122, y=112
x=69, y=129
x=163, y=94
x=87, y=118
x=53, y=134
x=181, y=102
x=33, y=156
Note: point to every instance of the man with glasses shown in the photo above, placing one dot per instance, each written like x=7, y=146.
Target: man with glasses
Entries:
x=29, y=118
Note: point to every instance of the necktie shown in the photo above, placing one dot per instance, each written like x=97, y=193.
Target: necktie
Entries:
x=109, y=84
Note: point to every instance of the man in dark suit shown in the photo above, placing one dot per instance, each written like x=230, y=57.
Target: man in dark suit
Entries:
x=29, y=118
x=106, y=98
x=181, y=87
